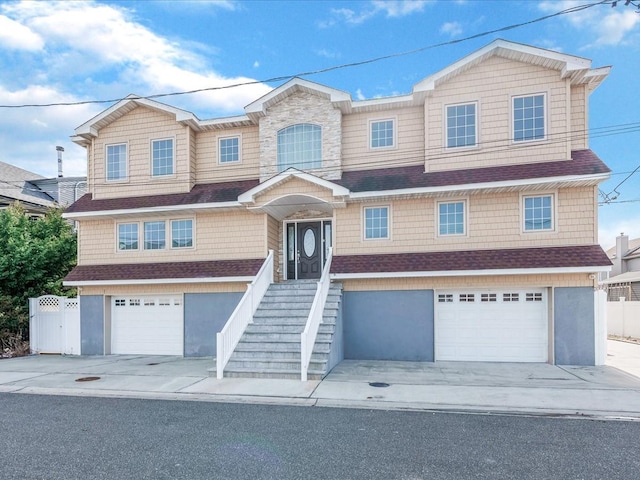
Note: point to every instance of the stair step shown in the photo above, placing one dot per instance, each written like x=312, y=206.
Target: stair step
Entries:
x=280, y=337
x=272, y=373
x=257, y=355
x=277, y=347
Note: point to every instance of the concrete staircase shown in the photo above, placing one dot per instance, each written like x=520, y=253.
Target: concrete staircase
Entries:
x=270, y=346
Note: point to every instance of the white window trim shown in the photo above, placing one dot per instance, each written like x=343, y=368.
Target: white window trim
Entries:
x=228, y=137
x=193, y=233
x=554, y=212
x=175, y=163
x=363, y=225
x=117, y=236
x=513, y=120
x=393, y=119
x=168, y=230
x=445, y=127
x=125, y=179
x=465, y=207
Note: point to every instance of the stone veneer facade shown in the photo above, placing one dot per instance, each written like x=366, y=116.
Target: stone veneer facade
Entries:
x=304, y=108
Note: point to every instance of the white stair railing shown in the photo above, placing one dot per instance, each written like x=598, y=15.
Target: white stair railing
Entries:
x=229, y=336
x=308, y=336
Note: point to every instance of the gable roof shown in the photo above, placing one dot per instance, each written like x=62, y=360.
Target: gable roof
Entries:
x=257, y=109
x=16, y=184
x=577, y=69
x=492, y=262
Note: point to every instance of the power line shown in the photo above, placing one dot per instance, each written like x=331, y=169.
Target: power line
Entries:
x=281, y=78
x=405, y=157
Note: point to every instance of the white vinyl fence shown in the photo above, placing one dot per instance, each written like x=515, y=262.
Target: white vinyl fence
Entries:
x=623, y=318
x=54, y=325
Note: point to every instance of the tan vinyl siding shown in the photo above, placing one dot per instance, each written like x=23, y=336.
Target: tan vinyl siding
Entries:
x=294, y=186
x=193, y=154
x=231, y=235
x=137, y=129
x=210, y=170
x=579, y=118
x=493, y=221
x=493, y=84
x=498, y=282
x=165, y=289
x=410, y=144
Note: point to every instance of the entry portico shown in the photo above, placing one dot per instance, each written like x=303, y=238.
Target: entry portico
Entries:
x=303, y=205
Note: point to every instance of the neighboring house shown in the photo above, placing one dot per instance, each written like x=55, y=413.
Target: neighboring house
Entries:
x=36, y=193
x=462, y=216
x=624, y=279
x=17, y=184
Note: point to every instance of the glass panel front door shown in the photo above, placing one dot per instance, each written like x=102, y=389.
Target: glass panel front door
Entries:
x=307, y=245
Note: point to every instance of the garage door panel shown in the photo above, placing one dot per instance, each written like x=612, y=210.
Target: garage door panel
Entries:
x=492, y=326
x=147, y=326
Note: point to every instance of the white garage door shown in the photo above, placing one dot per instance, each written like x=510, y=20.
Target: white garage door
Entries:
x=491, y=326
x=150, y=325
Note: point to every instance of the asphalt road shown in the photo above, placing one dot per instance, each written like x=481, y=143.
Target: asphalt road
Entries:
x=52, y=437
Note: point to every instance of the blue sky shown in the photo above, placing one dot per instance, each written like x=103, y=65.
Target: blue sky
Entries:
x=54, y=52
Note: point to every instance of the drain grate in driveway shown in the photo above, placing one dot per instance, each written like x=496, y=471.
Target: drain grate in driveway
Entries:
x=87, y=379
x=379, y=384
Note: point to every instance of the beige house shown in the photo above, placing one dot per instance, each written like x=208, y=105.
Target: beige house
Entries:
x=457, y=222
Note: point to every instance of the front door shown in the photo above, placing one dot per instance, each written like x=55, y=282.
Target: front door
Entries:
x=307, y=246
x=309, y=253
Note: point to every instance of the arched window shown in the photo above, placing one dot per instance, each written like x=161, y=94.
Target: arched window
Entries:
x=300, y=146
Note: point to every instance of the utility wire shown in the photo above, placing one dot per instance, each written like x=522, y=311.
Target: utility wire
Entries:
x=566, y=11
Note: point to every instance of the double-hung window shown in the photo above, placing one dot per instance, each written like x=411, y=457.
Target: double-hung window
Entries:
x=127, y=236
x=451, y=219
x=538, y=213
x=382, y=134
x=154, y=235
x=162, y=156
x=181, y=233
x=529, y=118
x=461, y=125
x=116, y=162
x=300, y=146
x=376, y=223
x=229, y=150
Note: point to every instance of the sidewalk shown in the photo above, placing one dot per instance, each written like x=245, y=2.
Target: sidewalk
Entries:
x=609, y=391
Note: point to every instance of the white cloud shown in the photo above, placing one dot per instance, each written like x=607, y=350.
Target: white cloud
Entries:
x=15, y=36
x=389, y=8
x=323, y=52
x=102, y=37
x=611, y=26
x=452, y=29
x=400, y=8
x=360, y=95
x=256, y=64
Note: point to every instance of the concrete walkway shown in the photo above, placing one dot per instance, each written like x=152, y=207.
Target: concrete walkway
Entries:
x=611, y=391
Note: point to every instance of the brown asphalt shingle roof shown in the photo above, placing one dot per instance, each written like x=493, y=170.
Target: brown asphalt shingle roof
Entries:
x=512, y=258
x=515, y=258
x=205, y=193
x=583, y=162
x=169, y=270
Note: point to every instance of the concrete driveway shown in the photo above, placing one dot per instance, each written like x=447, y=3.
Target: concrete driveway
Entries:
x=606, y=391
